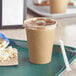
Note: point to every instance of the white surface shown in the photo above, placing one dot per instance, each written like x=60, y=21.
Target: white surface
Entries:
x=45, y=10
x=39, y=1
x=12, y=12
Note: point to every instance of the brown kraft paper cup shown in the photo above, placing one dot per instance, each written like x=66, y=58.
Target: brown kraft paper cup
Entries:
x=58, y=6
x=40, y=41
x=48, y=2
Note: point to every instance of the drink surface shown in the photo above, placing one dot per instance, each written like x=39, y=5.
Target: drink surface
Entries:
x=40, y=23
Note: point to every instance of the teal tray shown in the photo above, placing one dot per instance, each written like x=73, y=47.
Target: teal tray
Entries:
x=25, y=68
x=70, y=61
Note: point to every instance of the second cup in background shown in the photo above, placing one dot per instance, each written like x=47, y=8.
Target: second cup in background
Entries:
x=58, y=6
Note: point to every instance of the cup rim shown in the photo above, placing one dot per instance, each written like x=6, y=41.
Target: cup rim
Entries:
x=48, y=26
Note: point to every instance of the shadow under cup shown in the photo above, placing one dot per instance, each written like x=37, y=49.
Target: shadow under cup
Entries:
x=40, y=40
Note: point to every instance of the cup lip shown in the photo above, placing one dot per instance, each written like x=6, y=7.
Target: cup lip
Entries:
x=48, y=26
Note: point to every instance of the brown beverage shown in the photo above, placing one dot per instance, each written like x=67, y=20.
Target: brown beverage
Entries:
x=48, y=2
x=40, y=35
x=58, y=6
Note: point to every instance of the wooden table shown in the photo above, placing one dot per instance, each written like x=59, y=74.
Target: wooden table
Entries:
x=66, y=30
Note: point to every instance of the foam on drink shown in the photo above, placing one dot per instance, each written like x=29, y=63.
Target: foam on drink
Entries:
x=40, y=23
